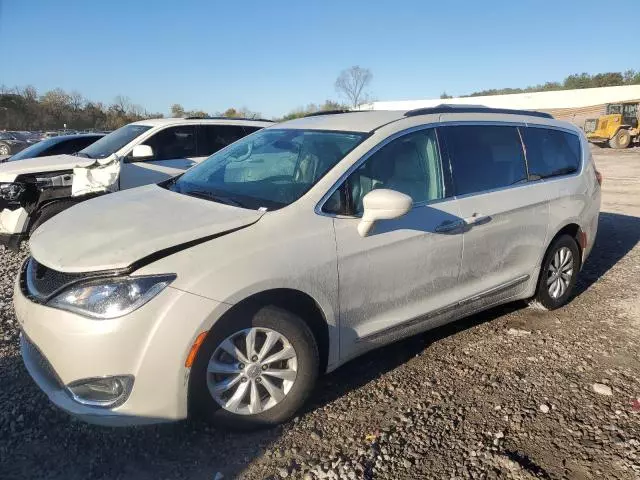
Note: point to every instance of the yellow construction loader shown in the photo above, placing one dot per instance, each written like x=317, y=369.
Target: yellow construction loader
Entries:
x=618, y=127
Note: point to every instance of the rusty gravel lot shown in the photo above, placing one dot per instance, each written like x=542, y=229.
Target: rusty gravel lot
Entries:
x=511, y=393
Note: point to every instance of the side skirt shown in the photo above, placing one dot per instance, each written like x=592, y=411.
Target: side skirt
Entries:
x=468, y=306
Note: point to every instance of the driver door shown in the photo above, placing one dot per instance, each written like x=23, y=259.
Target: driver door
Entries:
x=407, y=267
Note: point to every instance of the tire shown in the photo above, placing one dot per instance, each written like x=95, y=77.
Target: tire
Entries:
x=621, y=139
x=547, y=296
x=264, y=320
x=48, y=211
x=5, y=149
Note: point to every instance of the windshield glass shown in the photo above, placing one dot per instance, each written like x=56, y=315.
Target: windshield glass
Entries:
x=34, y=149
x=114, y=141
x=271, y=168
x=614, y=109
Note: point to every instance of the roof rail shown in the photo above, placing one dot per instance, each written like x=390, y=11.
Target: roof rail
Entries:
x=449, y=108
x=227, y=118
x=328, y=112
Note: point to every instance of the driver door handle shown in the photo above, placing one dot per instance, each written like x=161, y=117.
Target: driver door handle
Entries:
x=449, y=226
x=477, y=219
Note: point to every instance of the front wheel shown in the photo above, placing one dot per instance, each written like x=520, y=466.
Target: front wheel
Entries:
x=4, y=149
x=255, y=369
x=558, y=273
x=621, y=139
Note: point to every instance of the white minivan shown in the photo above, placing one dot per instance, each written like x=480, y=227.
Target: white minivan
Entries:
x=34, y=190
x=226, y=291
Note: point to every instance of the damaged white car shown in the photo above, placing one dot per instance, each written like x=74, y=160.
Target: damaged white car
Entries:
x=149, y=151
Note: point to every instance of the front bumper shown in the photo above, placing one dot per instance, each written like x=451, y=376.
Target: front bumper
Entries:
x=150, y=344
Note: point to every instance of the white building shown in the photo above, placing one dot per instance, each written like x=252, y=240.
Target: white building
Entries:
x=572, y=105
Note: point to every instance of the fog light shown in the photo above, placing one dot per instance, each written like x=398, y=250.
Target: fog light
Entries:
x=107, y=392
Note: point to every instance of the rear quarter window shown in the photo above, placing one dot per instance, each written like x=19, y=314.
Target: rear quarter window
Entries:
x=551, y=152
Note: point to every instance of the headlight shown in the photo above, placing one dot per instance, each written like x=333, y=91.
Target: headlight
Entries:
x=111, y=298
x=11, y=191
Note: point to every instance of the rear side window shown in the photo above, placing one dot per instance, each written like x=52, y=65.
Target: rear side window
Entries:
x=551, y=152
x=212, y=138
x=484, y=157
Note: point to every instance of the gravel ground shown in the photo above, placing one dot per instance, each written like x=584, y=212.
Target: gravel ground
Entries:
x=511, y=393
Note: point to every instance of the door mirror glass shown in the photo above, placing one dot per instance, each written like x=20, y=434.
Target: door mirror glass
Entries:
x=382, y=204
x=142, y=152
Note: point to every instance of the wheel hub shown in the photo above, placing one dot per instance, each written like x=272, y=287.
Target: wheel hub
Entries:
x=252, y=370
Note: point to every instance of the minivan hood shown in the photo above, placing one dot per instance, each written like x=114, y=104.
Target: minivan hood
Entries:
x=10, y=170
x=118, y=229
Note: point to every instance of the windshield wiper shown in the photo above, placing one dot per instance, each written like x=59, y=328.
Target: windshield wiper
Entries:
x=214, y=197
x=82, y=154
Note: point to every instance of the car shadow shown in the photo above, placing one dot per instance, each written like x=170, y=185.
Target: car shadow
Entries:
x=617, y=235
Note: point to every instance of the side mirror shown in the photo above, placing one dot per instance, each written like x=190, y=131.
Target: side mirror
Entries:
x=141, y=152
x=382, y=204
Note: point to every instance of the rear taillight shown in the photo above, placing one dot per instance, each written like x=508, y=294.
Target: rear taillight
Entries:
x=599, y=177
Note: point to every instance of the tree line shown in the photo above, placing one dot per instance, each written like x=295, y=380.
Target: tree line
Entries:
x=22, y=108
x=575, y=81
x=25, y=109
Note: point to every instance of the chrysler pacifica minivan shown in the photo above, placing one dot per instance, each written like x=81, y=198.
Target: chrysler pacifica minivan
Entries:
x=227, y=290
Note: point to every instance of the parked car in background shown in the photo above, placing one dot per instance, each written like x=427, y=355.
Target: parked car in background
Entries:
x=227, y=290
x=12, y=142
x=149, y=151
x=65, y=144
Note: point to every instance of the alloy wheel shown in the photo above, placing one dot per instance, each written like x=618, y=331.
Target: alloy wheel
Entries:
x=560, y=272
x=252, y=370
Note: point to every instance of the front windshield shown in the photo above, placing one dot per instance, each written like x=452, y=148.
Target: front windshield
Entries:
x=614, y=109
x=113, y=142
x=33, y=150
x=271, y=168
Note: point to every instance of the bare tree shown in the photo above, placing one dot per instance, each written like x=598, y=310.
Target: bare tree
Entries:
x=177, y=110
x=351, y=84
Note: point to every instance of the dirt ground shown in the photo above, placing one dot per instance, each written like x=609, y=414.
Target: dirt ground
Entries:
x=512, y=393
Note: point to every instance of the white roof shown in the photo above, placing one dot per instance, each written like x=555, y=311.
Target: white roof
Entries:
x=156, y=122
x=579, y=98
x=348, y=122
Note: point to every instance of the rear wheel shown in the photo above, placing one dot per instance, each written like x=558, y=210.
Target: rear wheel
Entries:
x=255, y=369
x=4, y=149
x=621, y=139
x=558, y=273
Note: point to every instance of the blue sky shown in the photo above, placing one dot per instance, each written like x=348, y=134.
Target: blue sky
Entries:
x=272, y=56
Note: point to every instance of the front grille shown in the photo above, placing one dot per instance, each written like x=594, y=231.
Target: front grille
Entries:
x=38, y=361
x=590, y=125
x=41, y=282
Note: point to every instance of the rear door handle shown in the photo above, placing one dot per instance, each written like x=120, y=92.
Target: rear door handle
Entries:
x=449, y=226
x=477, y=219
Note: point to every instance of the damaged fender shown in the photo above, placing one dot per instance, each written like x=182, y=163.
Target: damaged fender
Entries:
x=100, y=176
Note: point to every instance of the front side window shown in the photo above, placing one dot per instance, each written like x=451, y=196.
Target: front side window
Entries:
x=410, y=164
x=630, y=110
x=271, y=168
x=111, y=143
x=551, y=152
x=173, y=143
x=484, y=157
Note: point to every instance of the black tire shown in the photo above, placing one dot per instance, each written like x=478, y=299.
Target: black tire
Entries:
x=5, y=149
x=621, y=139
x=48, y=211
x=543, y=297
x=202, y=403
